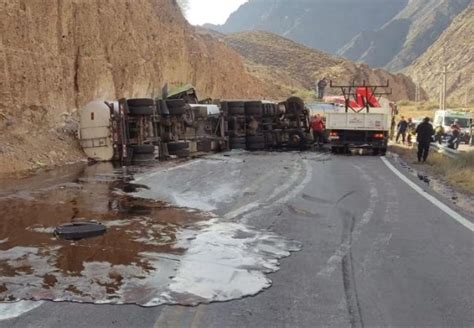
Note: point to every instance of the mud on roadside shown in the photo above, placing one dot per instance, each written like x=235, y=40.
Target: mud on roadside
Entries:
x=453, y=192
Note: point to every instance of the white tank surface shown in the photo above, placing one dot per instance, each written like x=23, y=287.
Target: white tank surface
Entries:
x=95, y=132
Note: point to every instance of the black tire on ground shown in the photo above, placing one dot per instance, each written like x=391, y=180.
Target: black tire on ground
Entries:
x=254, y=111
x=143, y=149
x=255, y=139
x=297, y=139
x=295, y=105
x=255, y=103
x=182, y=153
x=375, y=151
x=140, y=111
x=256, y=146
x=334, y=150
x=139, y=158
x=237, y=146
x=383, y=151
x=79, y=230
x=140, y=102
x=175, y=103
x=176, y=146
x=177, y=111
x=270, y=111
x=238, y=140
x=236, y=108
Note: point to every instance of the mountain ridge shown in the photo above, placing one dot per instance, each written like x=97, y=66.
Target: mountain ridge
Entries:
x=455, y=48
x=386, y=34
x=292, y=66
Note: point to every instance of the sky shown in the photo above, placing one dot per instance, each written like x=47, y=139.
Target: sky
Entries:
x=211, y=11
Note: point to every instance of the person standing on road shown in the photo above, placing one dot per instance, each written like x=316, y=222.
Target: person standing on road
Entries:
x=402, y=129
x=424, y=133
x=322, y=84
x=318, y=127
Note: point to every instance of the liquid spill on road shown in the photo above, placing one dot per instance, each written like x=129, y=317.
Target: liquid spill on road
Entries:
x=151, y=254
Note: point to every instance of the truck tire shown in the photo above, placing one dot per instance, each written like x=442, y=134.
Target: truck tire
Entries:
x=177, y=111
x=254, y=109
x=269, y=110
x=236, y=108
x=238, y=140
x=176, y=146
x=182, y=153
x=79, y=230
x=141, y=158
x=175, y=103
x=253, y=103
x=295, y=105
x=139, y=102
x=140, y=111
x=255, y=139
x=256, y=146
x=297, y=140
x=237, y=146
x=143, y=149
x=237, y=143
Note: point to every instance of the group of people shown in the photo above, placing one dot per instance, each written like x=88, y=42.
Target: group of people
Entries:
x=424, y=134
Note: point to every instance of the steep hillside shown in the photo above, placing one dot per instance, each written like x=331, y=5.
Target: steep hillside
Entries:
x=382, y=33
x=294, y=67
x=55, y=56
x=399, y=42
x=326, y=25
x=456, y=45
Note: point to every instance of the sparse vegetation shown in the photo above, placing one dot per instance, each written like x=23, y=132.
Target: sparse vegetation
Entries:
x=456, y=173
x=423, y=109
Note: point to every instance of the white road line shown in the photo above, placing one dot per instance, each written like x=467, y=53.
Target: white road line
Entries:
x=453, y=214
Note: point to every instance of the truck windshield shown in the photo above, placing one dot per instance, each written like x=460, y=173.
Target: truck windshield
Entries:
x=463, y=122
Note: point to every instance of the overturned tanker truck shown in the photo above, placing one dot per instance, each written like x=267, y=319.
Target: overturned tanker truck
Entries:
x=146, y=129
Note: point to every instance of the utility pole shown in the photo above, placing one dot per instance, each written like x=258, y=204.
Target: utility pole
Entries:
x=444, y=87
x=417, y=92
x=468, y=91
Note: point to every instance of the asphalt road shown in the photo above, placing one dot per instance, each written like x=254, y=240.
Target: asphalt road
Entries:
x=375, y=252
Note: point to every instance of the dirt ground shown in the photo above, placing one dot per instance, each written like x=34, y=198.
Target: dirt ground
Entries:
x=457, y=174
x=25, y=148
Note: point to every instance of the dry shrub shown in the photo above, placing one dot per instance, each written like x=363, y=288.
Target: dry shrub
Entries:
x=458, y=174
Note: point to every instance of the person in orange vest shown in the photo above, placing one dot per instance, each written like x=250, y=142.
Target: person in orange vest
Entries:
x=318, y=127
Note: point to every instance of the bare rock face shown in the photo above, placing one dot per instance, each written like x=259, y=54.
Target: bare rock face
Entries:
x=56, y=56
x=292, y=66
x=62, y=54
x=455, y=48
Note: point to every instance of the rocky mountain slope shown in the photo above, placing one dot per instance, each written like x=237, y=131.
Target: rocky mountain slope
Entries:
x=55, y=56
x=404, y=38
x=382, y=33
x=326, y=25
x=456, y=47
x=295, y=67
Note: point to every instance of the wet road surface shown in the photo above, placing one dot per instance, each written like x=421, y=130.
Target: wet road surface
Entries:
x=374, y=252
